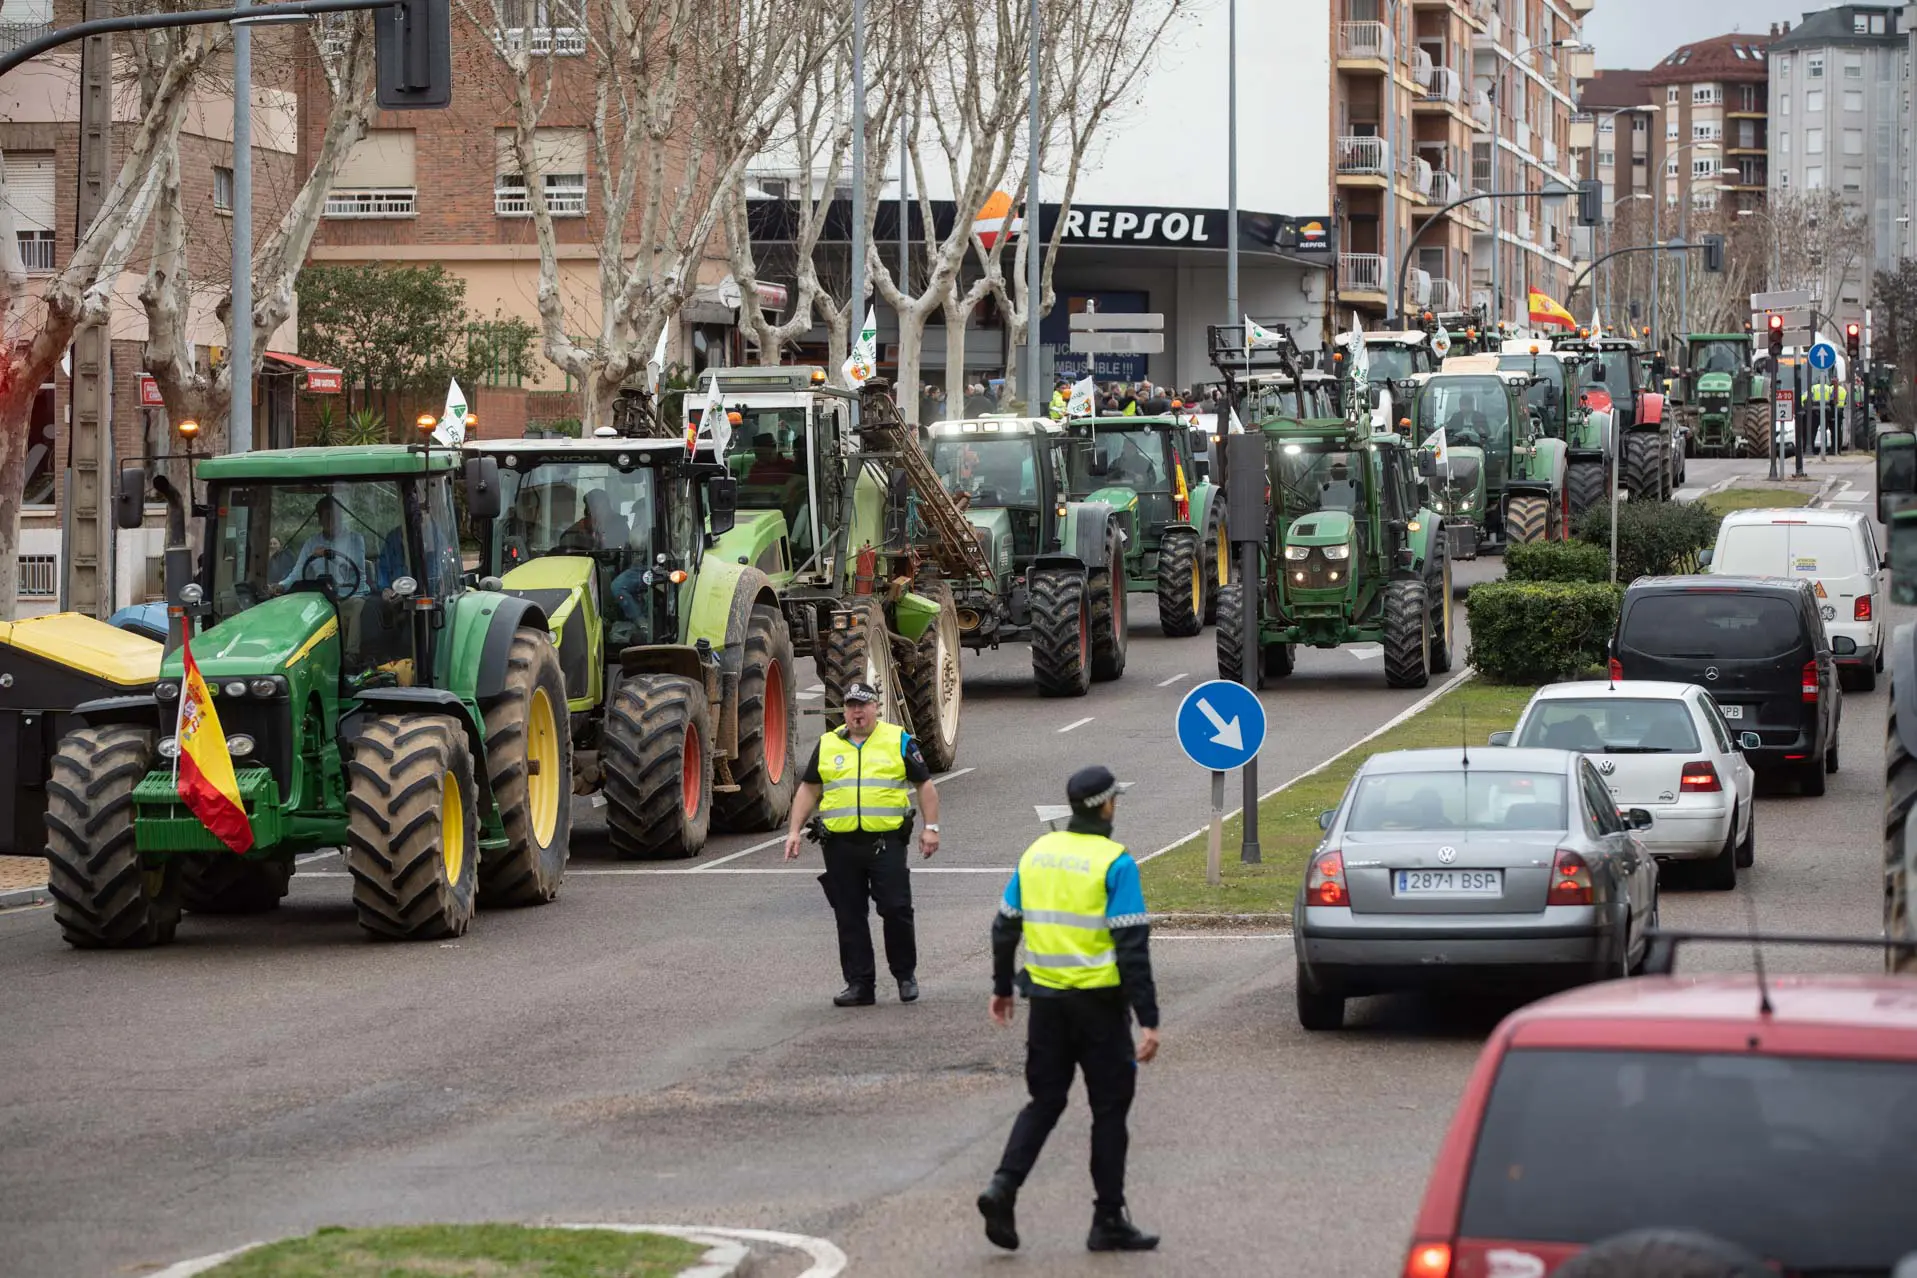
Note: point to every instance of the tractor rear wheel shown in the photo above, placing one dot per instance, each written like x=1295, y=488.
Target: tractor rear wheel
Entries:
x=658, y=761
x=1181, y=585
x=1407, y=633
x=103, y=897
x=934, y=689
x=1111, y=620
x=1280, y=660
x=529, y=763
x=221, y=883
x=861, y=652
x=1442, y=610
x=412, y=833
x=1667, y=468
x=765, y=767
x=1234, y=661
x=1061, y=633
x=1217, y=560
x=1584, y=481
x=1754, y=424
x=1638, y=472
x=1526, y=519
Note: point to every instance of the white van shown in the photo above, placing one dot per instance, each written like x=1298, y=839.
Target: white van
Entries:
x=1837, y=552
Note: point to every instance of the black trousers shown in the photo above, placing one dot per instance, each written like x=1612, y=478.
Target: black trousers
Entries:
x=854, y=872
x=1090, y=1032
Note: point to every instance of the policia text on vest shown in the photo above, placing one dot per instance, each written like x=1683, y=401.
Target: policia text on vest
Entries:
x=860, y=783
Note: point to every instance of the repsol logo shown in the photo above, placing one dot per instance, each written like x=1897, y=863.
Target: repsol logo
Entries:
x=1142, y=226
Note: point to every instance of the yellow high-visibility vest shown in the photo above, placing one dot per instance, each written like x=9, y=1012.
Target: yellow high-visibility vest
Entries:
x=865, y=786
x=1061, y=883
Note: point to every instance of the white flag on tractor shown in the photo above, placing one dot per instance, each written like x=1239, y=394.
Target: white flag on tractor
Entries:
x=1084, y=399
x=1257, y=335
x=1597, y=330
x=1435, y=441
x=714, y=425
x=656, y=366
x=1233, y=425
x=1355, y=352
x=451, y=430
x=863, y=363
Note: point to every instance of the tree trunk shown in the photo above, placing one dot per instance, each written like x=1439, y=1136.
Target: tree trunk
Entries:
x=957, y=321
x=911, y=340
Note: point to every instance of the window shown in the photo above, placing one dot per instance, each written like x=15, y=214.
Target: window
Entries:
x=1670, y=130
x=1784, y=180
x=1670, y=96
x=376, y=178
x=1492, y=800
x=1813, y=142
x=1784, y=68
x=1640, y=124
x=1747, y=98
x=1853, y=99
x=1814, y=101
x=1814, y=65
x=775, y=188
x=1636, y=725
x=1784, y=105
x=222, y=189
x=1704, y=166
x=1607, y=124
x=1709, y=131
x=1607, y=159
x=30, y=188
x=548, y=26
x=1784, y=144
x=1814, y=178
x=1853, y=66
x=560, y=157
x=1853, y=179
x=1853, y=141
x=1706, y=94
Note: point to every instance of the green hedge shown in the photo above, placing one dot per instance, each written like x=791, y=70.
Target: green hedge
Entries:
x=1653, y=538
x=1537, y=631
x=1557, y=561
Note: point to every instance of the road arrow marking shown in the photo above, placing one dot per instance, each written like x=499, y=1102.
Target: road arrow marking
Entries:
x=1227, y=734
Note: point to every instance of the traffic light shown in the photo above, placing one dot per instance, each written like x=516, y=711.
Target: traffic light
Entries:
x=1776, y=326
x=413, y=48
x=1590, y=202
x=1714, y=253
x=1851, y=337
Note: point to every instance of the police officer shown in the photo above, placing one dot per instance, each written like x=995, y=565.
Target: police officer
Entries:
x=1076, y=902
x=860, y=782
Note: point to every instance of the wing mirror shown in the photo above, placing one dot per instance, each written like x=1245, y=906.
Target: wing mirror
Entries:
x=482, y=488
x=1637, y=818
x=129, y=500
x=1428, y=464
x=1199, y=443
x=1704, y=559
x=722, y=504
x=1843, y=646
x=1749, y=740
x=1501, y=738
x=1326, y=817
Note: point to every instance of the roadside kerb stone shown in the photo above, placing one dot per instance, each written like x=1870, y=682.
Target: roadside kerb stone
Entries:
x=724, y=1257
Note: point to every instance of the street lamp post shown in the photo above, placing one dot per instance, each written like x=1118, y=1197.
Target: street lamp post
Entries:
x=1641, y=195
x=1776, y=273
x=1497, y=139
x=1657, y=235
x=1553, y=191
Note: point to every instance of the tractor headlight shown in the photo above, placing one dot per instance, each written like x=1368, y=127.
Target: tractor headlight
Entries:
x=267, y=689
x=237, y=688
x=1337, y=552
x=1297, y=552
x=166, y=691
x=239, y=745
x=169, y=748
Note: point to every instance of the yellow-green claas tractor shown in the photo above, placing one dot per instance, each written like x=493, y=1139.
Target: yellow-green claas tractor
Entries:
x=369, y=698
x=677, y=658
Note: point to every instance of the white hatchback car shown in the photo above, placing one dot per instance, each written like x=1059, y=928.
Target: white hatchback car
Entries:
x=1664, y=747
x=1837, y=552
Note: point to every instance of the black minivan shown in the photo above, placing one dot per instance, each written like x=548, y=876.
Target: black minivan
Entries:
x=1757, y=645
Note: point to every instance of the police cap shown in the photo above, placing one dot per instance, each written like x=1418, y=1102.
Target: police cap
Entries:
x=1090, y=788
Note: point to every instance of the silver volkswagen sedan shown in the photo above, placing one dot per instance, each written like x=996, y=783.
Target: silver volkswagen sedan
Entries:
x=1442, y=866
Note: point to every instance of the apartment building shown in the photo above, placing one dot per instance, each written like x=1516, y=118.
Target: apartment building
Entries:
x=1713, y=122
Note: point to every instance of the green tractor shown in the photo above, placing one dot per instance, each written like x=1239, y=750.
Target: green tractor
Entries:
x=1352, y=551
x=370, y=699
x=1723, y=405
x=1175, y=545
x=864, y=548
x=678, y=661
x=1503, y=478
x=1615, y=380
x=1058, y=565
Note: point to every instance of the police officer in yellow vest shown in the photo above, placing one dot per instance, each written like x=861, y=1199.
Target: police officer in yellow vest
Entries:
x=860, y=781
x=1075, y=900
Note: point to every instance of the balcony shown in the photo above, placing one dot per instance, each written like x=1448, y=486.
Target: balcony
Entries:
x=1363, y=158
x=1442, y=87
x=1418, y=174
x=1421, y=67
x=372, y=202
x=1445, y=188
x=36, y=251
x=1481, y=109
x=15, y=34
x=1445, y=295
x=1361, y=273
x=1364, y=42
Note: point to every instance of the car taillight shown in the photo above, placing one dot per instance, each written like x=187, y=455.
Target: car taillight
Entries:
x=1700, y=778
x=1428, y=1260
x=1617, y=669
x=1862, y=611
x=1325, y=884
x=1810, y=680
x=1570, y=880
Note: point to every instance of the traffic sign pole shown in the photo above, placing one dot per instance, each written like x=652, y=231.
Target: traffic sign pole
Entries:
x=1220, y=726
x=1217, y=841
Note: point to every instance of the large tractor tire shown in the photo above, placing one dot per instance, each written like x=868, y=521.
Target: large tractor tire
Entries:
x=766, y=768
x=1754, y=426
x=1900, y=798
x=1110, y=617
x=1638, y=469
x=1407, y=634
x=861, y=652
x=658, y=761
x=1280, y=660
x=1443, y=614
x=221, y=883
x=1667, y=468
x=103, y=897
x=1217, y=553
x=1584, y=481
x=529, y=764
x=1061, y=633
x=934, y=688
x=1526, y=519
x=412, y=833
x=1235, y=661
x=1181, y=585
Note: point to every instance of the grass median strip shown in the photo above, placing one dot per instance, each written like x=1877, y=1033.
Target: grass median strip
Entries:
x=1722, y=503
x=1288, y=820
x=465, y=1251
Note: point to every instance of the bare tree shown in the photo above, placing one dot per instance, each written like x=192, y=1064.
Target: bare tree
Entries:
x=1823, y=244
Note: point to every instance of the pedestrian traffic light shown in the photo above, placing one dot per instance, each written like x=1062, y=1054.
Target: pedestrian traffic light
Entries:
x=1776, y=324
x=1590, y=202
x=1714, y=253
x=1852, y=334
x=413, y=48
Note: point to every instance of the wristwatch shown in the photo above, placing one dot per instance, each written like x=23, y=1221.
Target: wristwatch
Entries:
x=933, y=826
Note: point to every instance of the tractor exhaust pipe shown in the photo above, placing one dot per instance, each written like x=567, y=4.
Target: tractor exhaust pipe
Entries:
x=178, y=561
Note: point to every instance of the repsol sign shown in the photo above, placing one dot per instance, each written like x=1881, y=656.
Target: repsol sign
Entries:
x=1147, y=226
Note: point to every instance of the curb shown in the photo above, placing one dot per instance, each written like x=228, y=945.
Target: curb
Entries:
x=20, y=898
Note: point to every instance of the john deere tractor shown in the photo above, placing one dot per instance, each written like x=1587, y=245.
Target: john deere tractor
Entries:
x=678, y=661
x=1723, y=405
x=1057, y=565
x=369, y=697
x=1352, y=551
x=1502, y=479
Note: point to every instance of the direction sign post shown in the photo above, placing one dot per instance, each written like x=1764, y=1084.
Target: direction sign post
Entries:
x=1221, y=726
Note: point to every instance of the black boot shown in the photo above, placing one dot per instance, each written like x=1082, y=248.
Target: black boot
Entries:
x=997, y=1205
x=854, y=996
x=908, y=989
x=1112, y=1230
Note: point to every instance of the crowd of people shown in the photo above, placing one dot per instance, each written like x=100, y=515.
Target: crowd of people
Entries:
x=1115, y=399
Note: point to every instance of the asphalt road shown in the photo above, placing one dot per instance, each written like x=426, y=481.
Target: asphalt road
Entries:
x=659, y=1046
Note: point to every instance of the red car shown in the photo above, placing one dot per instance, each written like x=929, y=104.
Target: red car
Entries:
x=1781, y=1116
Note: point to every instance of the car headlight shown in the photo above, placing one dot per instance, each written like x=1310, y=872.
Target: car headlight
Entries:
x=1338, y=552
x=1297, y=552
x=239, y=745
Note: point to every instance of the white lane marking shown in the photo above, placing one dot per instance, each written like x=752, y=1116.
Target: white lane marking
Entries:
x=817, y=687
x=731, y=856
x=1078, y=723
x=1219, y=936
x=827, y=1260
x=1366, y=651
x=1183, y=674
x=953, y=775
x=1852, y=498
x=706, y=871
x=1410, y=710
x=310, y=857
x=810, y=695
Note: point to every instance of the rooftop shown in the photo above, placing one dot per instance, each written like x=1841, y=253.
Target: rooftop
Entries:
x=1838, y=25
x=1608, y=90
x=1727, y=58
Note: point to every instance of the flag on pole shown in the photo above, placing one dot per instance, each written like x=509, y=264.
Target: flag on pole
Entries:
x=1545, y=311
x=451, y=430
x=203, y=769
x=1597, y=330
x=1234, y=426
x=1440, y=452
x=714, y=424
x=656, y=366
x=863, y=363
x=1355, y=352
x=1257, y=335
x=1084, y=399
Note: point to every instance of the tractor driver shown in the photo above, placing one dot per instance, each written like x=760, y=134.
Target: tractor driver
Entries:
x=600, y=528
x=768, y=466
x=1133, y=468
x=1467, y=424
x=965, y=481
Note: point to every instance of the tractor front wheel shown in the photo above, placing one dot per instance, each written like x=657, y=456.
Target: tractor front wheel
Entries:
x=529, y=763
x=1181, y=585
x=766, y=767
x=1754, y=424
x=1584, y=481
x=1280, y=660
x=934, y=689
x=658, y=761
x=860, y=652
x=1526, y=519
x=1235, y=661
x=1407, y=633
x=1217, y=561
x=104, y=898
x=1442, y=610
x=1061, y=633
x=220, y=883
x=1111, y=622
x=412, y=833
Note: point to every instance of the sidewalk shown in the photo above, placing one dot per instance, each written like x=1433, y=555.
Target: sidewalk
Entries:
x=18, y=872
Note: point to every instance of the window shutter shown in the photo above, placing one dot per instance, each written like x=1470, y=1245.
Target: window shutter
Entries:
x=554, y=151
x=30, y=189
x=383, y=158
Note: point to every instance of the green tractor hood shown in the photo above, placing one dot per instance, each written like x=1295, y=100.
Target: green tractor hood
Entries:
x=566, y=589
x=754, y=539
x=993, y=528
x=1458, y=490
x=1714, y=384
x=1318, y=560
x=270, y=638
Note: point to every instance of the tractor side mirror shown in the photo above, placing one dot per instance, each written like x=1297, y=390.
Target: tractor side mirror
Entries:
x=1100, y=464
x=1427, y=465
x=129, y=500
x=1200, y=442
x=482, y=489
x=722, y=504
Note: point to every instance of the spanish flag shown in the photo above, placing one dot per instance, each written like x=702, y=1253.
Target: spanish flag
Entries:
x=1546, y=311
x=203, y=770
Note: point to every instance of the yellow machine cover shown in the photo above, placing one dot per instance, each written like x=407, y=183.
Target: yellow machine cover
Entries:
x=92, y=647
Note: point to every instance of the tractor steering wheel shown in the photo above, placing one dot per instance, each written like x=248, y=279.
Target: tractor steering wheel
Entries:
x=329, y=584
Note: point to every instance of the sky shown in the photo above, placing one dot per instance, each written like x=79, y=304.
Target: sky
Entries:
x=1634, y=34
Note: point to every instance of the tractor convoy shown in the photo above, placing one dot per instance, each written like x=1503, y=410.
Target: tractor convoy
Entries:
x=1723, y=405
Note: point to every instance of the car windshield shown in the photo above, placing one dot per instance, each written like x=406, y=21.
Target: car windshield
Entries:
x=1475, y=798
x=1723, y=625
x=991, y=471
x=561, y=506
x=1612, y=725
x=1472, y=410
x=1715, y=357
x=1805, y=1161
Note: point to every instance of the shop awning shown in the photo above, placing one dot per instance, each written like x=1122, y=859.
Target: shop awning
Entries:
x=321, y=379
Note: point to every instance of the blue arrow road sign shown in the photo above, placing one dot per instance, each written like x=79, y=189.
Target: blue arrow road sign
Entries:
x=1220, y=725
x=1823, y=355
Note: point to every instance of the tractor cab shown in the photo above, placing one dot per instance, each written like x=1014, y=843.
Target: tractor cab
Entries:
x=1005, y=473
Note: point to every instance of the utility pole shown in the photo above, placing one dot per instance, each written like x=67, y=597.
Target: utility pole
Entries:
x=855, y=321
x=1035, y=394
x=1248, y=850
x=87, y=532
x=240, y=353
